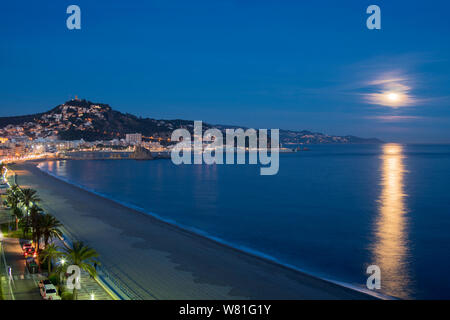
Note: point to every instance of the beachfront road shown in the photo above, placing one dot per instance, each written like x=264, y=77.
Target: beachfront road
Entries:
x=154, y=260
x=24, y=285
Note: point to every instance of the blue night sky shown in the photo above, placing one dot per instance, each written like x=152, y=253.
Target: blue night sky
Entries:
x=265, y=64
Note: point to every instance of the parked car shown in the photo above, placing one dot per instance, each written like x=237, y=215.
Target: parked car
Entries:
x=27, y=245
x=49, y=292
x=43, y=283
x=30, y=252
x=32, y=265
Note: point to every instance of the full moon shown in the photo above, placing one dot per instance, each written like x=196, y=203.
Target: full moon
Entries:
x=393, y=97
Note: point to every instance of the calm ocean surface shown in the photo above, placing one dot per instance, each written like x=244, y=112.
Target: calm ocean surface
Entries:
x=330, y=211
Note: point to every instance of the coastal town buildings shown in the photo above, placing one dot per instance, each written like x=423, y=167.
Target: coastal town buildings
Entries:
x=133, y=138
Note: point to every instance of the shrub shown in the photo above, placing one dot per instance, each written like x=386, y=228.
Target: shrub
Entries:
x=67, y=295
x=54, y=278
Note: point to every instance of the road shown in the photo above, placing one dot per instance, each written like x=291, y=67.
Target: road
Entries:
x=24, y=284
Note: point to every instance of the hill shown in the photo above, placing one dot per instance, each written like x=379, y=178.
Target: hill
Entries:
x=82, y=119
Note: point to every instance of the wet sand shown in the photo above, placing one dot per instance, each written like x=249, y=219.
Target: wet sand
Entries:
x=155, y=260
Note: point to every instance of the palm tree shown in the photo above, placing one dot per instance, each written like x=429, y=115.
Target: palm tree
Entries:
x=12, y=198
x=13, y=202
x=13, y=192
x=50, y=252
x=36, y=216
x=15, y=188
x=28, y=198
x=25, y=225
x=82, y=256
x=18, y=214
x=48, y=226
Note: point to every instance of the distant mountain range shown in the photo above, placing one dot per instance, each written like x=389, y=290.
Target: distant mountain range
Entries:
x=81, y=119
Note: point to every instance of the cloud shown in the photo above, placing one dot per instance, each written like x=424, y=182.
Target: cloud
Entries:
x=390, y=90
x=391, y=118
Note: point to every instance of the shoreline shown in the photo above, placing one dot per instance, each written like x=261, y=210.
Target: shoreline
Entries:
x=203, y=234
x=309, y=285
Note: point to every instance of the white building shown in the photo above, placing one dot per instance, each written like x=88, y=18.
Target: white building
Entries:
x=133, y=138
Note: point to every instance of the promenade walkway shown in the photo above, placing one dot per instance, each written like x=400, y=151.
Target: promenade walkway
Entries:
x=90, y=288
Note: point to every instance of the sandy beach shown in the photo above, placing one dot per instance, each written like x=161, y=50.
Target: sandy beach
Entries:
x=156, y=260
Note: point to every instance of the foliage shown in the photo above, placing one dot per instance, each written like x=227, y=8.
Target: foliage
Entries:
x=54, y=279
x=15, y=233
x=36, y=214
x=13, y=201
x=49, y=228
x=84, y=257
x=49, y=254
x=28, y=197
x=67, y=295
